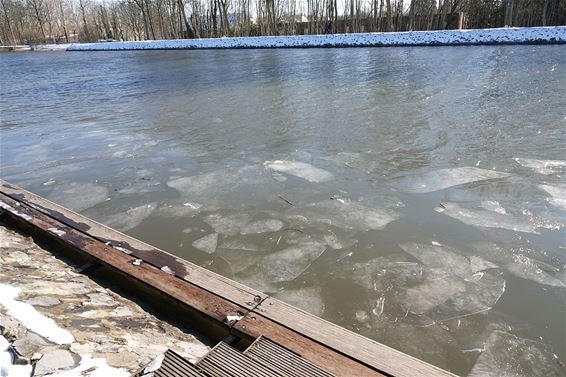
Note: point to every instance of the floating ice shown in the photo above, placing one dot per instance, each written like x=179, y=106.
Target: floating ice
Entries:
x=227, y=225
x=506, y=355
x=79, y=196
x=227, y=188
x=131, y=218
x=493, y=206
x=31, y=318
x=308, y=299
x=478, y=264
x=288, y=264
x=444, y=178
x=262, y=226
x=348, y=215
x=207, y=243
x=449, y=283
x=558, y=194
x=239, y=255
x=300, y=169
x=545, y=167
x=486, y=218
x=526, y=268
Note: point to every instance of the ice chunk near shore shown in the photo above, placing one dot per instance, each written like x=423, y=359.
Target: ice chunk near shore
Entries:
x=31, y=318
x=493, y=206
x=485, y=218
x=79, y=196
x=230, y=224
x=507, y=355
x=239, y=255
x=558, y=195
x=131, y=218
x=444, y=178
x=262, y=226
x=308, y=299
x=288, y=264
x=207, y=243
x=300, y=169
x=545, y=167
x=348, y=214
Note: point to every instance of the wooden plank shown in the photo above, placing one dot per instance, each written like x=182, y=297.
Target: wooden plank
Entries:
x=229, y=362
x=202, y=301
x=174, y=365
x=228, y=289
x=254, y=325
x=279, y=358
x=373, y=354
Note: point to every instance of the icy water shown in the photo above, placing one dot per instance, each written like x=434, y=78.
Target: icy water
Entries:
x=414, y=195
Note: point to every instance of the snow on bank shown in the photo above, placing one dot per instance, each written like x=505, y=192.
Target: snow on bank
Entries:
x=31, y=318
x=537, y=35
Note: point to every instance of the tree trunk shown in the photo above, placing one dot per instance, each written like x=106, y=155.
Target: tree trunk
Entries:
x=389, y=16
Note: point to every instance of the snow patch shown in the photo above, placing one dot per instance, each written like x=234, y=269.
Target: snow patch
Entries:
x=92, y=367
x=31, y=318
x=536, y=35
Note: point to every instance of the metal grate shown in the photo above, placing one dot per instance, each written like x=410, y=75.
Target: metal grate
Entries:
x=174, y=365
x=225, y=361
x=281, y=359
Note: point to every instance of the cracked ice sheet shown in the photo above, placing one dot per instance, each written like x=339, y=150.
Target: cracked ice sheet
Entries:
x=449, y=284
x=131, y=218
x=445, y=178
x=31, y=318
x=486, y=218
x=545, y=167
x=308, y=298
x=262, y=226
x=506, y=355
x=300, y=169
x=79, y=196
x=207, y=243
x=558, y=195
x=289, y=263
x=348, y=214
x=228, y=188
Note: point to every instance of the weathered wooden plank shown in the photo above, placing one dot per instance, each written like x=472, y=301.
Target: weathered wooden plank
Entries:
x=174, y=365
x=204, y=302
x=208, y=280
x=367, y=351
x=279, y=358
x=254, y=325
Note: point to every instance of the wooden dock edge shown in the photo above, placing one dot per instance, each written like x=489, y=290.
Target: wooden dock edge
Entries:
x=239, y=309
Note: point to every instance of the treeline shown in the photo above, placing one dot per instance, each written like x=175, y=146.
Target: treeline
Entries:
x=62, y=21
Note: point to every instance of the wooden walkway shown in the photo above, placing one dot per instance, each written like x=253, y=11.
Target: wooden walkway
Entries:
x=284, y=339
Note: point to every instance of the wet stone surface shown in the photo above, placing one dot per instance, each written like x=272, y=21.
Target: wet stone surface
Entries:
x=110, y=334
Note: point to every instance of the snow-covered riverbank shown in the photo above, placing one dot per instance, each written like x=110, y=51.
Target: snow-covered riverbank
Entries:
x=539, y=35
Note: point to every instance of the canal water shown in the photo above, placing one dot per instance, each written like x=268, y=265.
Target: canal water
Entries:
x=416, y=196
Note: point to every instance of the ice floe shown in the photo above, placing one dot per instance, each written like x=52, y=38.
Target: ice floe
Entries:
x=79, y=196
x=288, y=264
x=309, y=299
x=527, y=268
x=262, y=226
x=131, y=218
x=481, y=217
x=31, y=318
x=207, y=243
x=300, y=169
x=545, y=167
x=506, y=355
x=348, y=214
x=558, y=195
x=229, y=224
x=445, y=178
x=414, y=38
